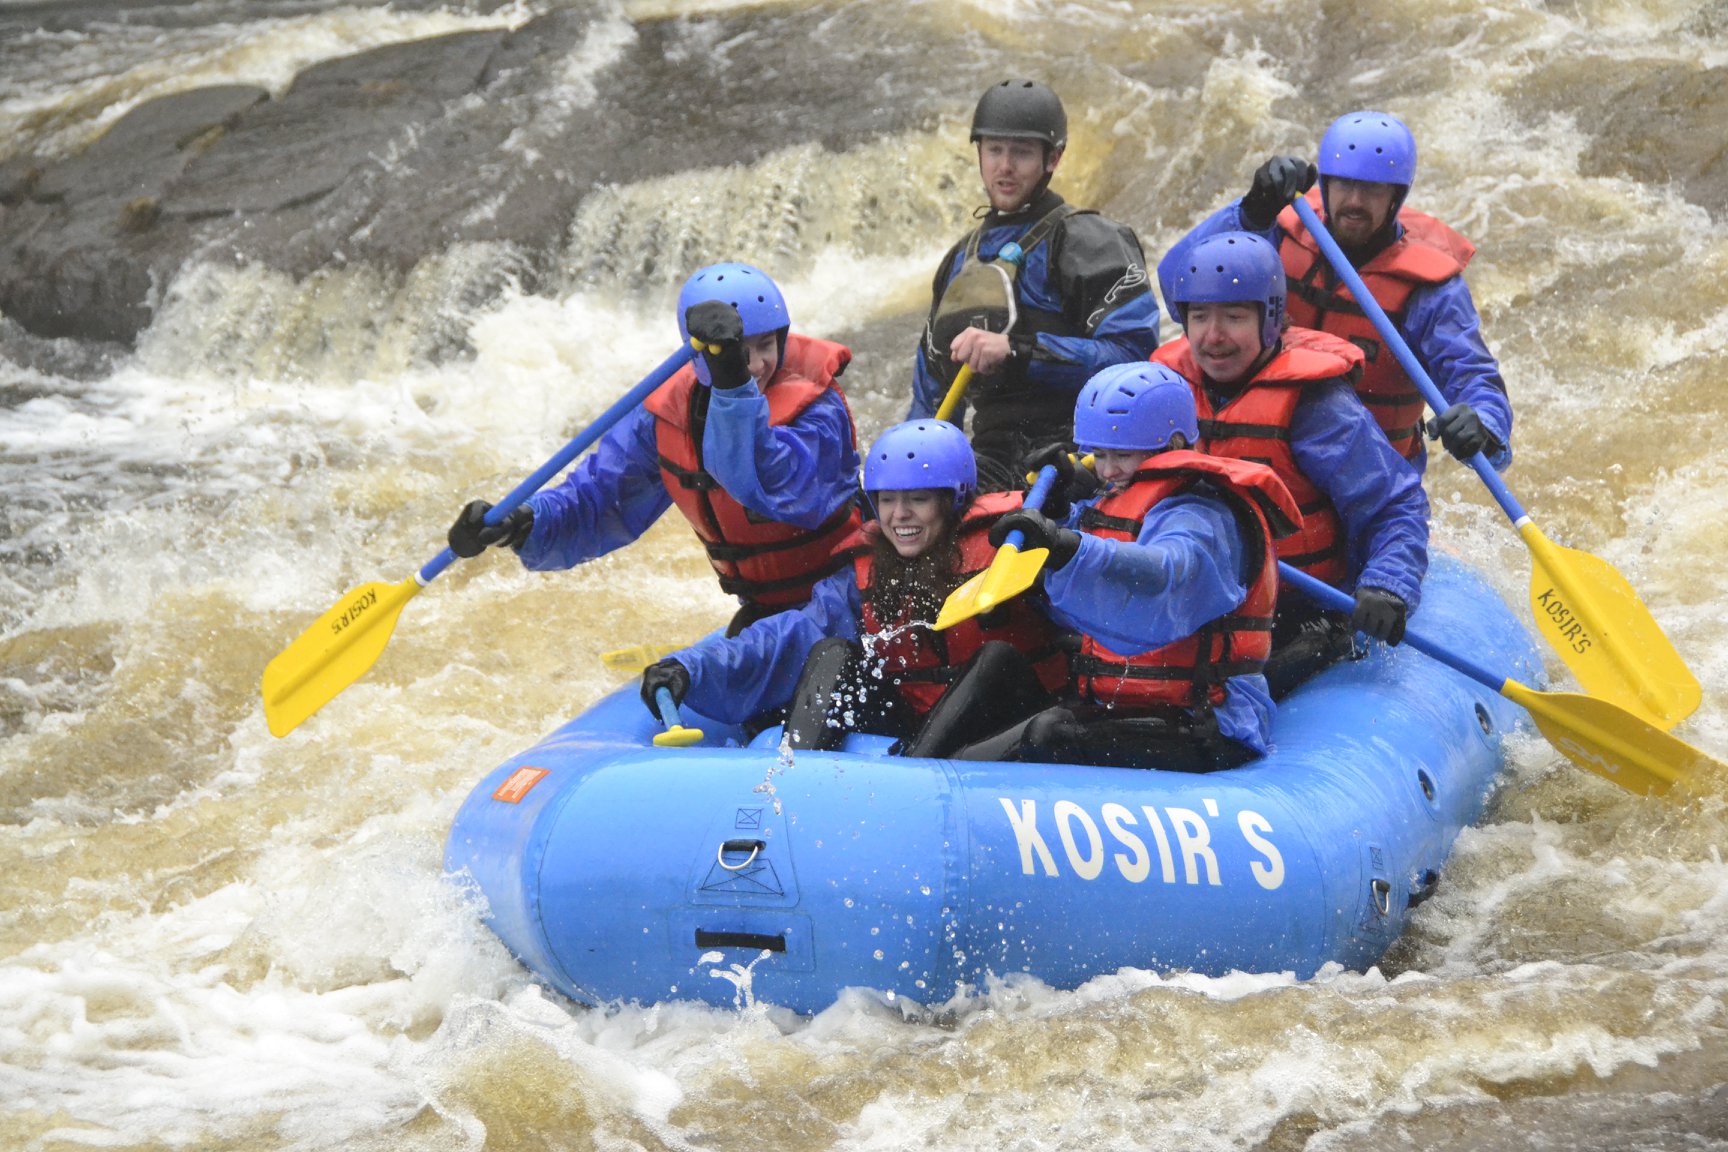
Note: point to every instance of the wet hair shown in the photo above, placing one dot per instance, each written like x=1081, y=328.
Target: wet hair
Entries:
x=904, y=589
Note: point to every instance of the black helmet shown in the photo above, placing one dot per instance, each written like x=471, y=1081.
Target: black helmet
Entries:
x=1021, y=110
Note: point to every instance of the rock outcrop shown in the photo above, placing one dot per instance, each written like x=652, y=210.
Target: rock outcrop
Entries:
x=398, y=153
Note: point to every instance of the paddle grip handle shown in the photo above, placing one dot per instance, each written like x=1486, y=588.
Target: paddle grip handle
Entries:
x=1400, y=348
x=1010, y=254
x=1034, y=499
x=668, y=708
x=1327, y=596
x=585, y=439
x=956, y=393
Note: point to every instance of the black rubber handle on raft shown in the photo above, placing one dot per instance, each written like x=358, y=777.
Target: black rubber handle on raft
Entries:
x=752, y=940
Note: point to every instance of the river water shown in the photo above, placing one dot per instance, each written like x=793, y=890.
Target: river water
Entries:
x=213, y=939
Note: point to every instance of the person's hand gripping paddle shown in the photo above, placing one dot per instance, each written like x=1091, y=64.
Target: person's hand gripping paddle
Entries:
x=1011, y=571
x=348, y=639
x=1594, y=734
x=1585, y=610
x=982, y=296
x=676, y=735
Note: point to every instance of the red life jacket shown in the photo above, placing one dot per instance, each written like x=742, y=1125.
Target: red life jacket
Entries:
x=923, y=662
x=1191, y=672
x=763, y=561
x=1428, y=252
x=1255, y=426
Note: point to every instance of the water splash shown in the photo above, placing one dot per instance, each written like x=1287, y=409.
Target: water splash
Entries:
x=742, y=977
x=782, y=762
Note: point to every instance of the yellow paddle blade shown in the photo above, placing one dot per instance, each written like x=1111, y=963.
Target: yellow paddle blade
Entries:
x=635, y=658
x=1010, y=573
x=678, y=736
x=1590, y=615
x=1610, y=741
x=333, y=653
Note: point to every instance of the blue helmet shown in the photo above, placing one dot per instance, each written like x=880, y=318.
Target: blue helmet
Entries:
x=1372, y=146
x=922, y=454
x=1233, y=268
x=1135, y=408
x=747, y=289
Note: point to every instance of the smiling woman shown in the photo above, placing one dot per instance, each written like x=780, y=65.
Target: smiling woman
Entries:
x=913, y=520
x=872, y=621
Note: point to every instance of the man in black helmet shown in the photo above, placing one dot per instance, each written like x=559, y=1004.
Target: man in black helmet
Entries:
x=1080, y=293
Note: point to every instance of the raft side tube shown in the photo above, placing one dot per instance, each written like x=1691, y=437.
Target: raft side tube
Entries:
x=721, y=873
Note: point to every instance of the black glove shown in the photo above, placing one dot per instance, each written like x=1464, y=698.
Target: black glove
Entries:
x=1276, y=183
x=1462, y=432
x=1038, y=531
x=1072, y=484
x=667, y=674
x=718, y=331
x=471, y=535
x=1379, y=614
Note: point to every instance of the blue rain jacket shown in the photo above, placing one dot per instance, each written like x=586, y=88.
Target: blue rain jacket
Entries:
x=1186, y=569
x=735, y=678
x=798, y=473
x=1379, y=496
x=1440, y=325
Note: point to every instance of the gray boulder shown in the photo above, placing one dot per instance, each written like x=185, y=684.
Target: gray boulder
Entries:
x=393, y=155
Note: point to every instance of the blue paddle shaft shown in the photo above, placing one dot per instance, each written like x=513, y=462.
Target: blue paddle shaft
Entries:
x=1034, y=499
x=1395, y=341
x=1327, y=596
x=668, y=708
x=626, y=404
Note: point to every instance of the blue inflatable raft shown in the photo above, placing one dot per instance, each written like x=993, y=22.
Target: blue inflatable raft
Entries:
x=618, y=871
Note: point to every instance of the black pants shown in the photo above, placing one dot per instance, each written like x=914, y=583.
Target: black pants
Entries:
x=836, y=695
x=1002, y=452
x=998, y=710
x=1172, y=739
x=996, y=687
x=1306, y=640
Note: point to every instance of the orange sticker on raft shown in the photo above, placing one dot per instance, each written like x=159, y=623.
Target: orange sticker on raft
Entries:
x=517, y=784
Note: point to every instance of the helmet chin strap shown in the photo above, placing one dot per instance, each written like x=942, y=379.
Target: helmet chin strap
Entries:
x=985, y=211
